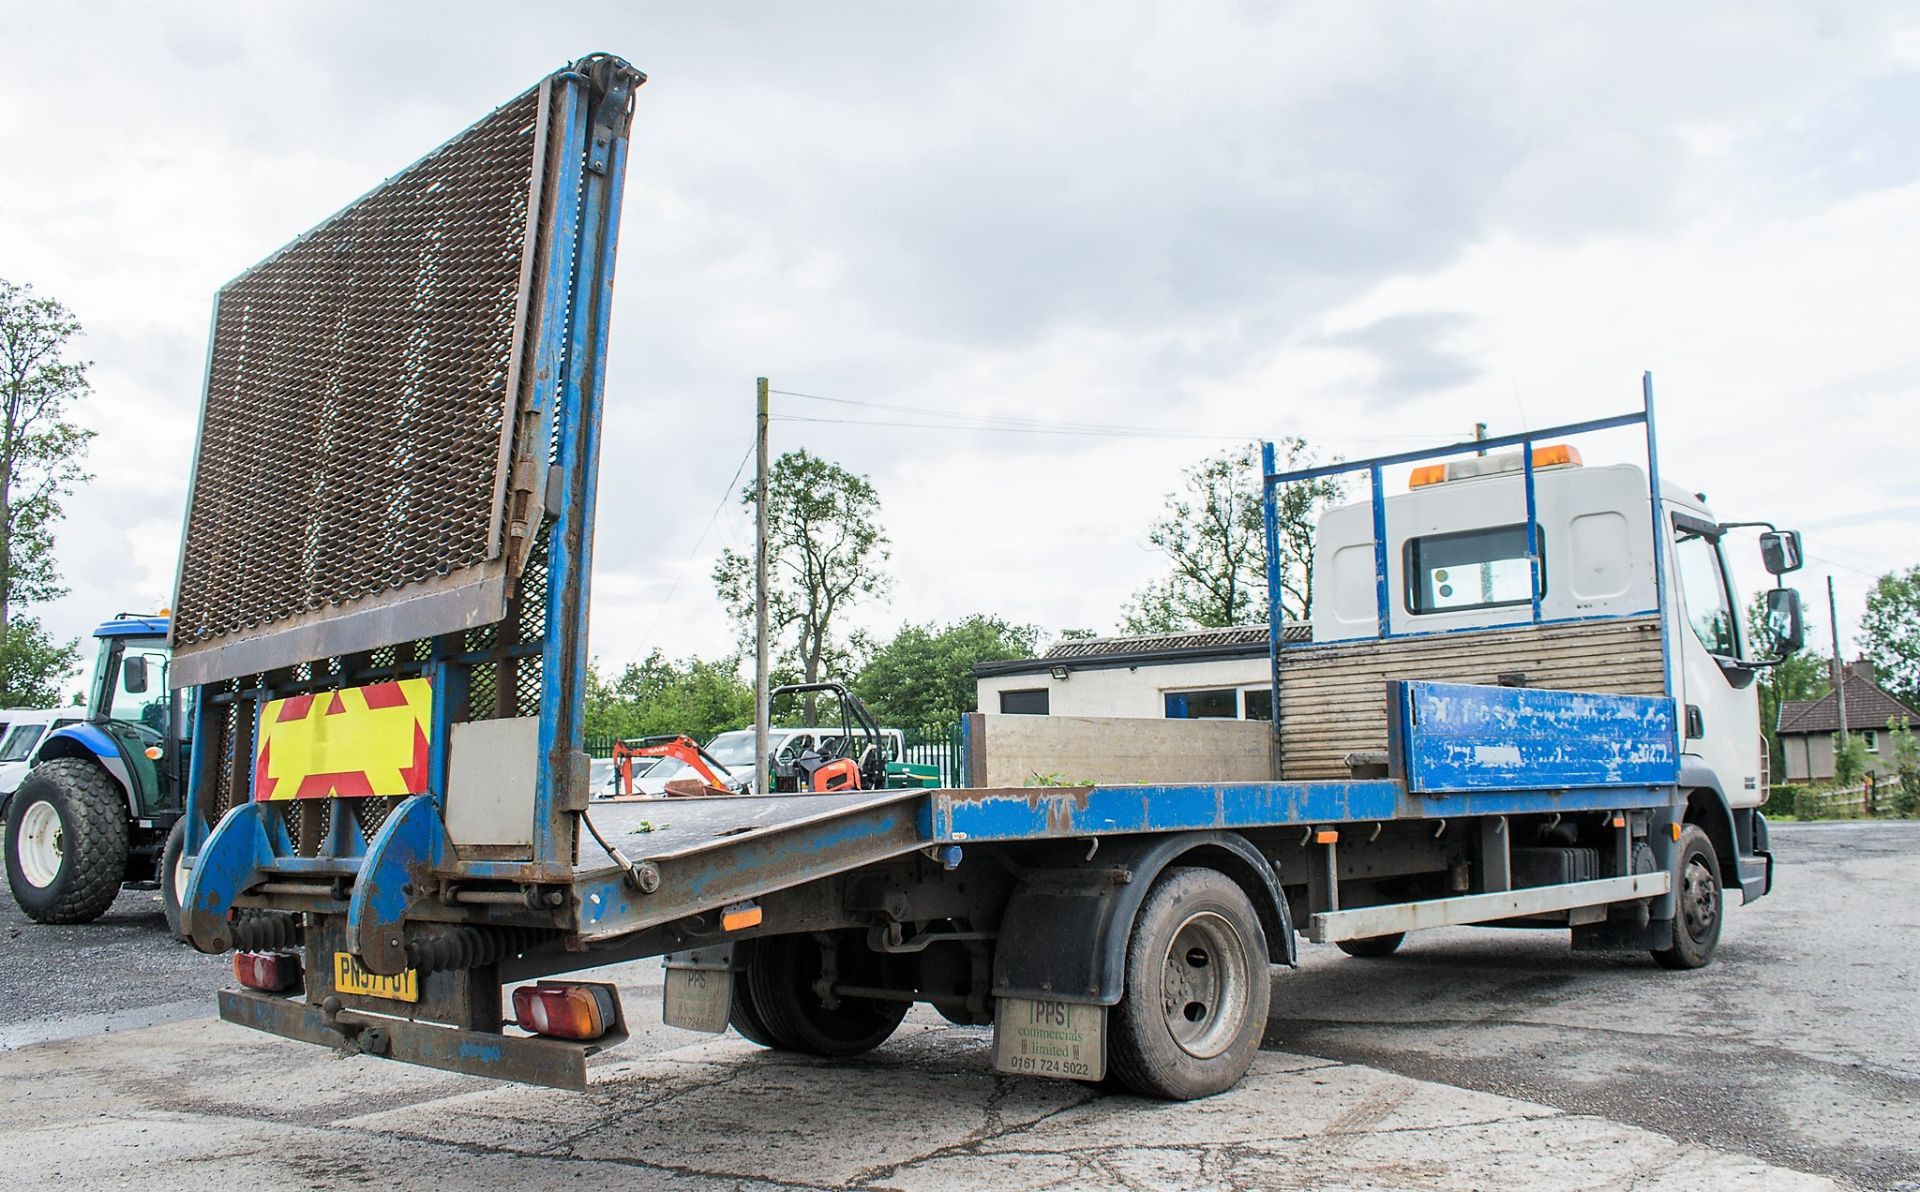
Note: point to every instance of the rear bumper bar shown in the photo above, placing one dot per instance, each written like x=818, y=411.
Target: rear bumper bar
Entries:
x=554, y=1063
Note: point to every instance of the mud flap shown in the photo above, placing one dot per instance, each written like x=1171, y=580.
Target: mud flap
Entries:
x=699, y=991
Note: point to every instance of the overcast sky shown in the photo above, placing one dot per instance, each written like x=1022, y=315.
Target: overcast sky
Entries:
x=1368, y=225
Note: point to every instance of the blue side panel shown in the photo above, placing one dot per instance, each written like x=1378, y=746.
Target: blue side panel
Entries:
x=1038, y=813
x=1457, y=737
x=1053, y=813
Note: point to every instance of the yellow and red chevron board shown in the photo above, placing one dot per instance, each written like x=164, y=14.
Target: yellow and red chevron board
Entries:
x=372, y=740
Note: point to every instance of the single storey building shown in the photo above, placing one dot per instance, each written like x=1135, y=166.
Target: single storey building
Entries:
x=1200, y=674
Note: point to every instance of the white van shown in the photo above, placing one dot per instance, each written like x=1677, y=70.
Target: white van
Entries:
x=22, y=731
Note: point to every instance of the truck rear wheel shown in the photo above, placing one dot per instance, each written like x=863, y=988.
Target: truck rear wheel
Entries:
x=67, y=842
x=743, y=1013
x=1373, y=947
x=1197, y=989
x=780, y=992
x=1699, y=901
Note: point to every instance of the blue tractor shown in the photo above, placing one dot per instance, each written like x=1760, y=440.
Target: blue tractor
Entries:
x=102, y=807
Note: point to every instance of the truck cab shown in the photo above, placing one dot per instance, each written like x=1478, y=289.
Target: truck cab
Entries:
x=1463, y=542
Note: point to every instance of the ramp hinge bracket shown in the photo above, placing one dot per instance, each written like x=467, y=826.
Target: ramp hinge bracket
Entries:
x=609, y=120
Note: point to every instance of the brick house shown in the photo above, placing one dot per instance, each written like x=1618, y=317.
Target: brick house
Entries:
x=1809, y=728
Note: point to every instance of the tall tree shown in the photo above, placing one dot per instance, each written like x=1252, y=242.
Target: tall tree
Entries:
x=924, y=676
x=696, y=697
x=40, y=462
x=1213, y=536
x=826, y=553
x=1890, y=632
x=1799, y=676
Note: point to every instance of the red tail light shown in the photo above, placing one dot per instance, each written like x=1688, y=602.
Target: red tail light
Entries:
x=563, y=1011
x=271, y=972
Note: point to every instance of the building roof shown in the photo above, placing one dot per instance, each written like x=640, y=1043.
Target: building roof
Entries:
x=1868, y=707
x=1186, y=639
x=1192, y=645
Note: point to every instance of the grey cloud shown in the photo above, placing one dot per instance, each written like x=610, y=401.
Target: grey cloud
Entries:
x=1411, y=360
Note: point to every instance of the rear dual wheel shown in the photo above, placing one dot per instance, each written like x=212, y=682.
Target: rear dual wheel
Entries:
x=1197, y=989
x=1372, y=947
x=776, y=1004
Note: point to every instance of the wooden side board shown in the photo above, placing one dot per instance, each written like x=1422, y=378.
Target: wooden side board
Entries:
x=1332, y=697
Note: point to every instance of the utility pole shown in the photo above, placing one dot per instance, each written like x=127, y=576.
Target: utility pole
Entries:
x=1480, y=435
x=1839, y=667
x=762, y=728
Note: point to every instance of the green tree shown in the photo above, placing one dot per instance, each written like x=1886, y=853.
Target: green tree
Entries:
x=924, y=675
x=825, y=555
x=1850, y=761
x=32, y=665
x=1214, y=537
x=1890, y=632
x=1903, y=748
x=1798, y=676
x=696, y=697
x=40, y=462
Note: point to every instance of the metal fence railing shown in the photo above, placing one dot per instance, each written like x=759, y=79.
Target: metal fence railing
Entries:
x=936, y=745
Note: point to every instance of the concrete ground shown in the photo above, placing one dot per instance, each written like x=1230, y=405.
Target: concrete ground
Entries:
x=1474, y=1059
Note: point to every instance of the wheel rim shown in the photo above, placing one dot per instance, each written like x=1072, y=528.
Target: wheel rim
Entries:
x=1699, y=901
x=1204, y=986
x=42, y=848
x=180, y=878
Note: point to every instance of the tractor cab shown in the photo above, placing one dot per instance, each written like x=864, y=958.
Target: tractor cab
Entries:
x=130, y=704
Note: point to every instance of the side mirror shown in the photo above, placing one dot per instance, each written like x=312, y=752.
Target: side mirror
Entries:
x=1785, y=620
x=1780, y=551
x=133, y=673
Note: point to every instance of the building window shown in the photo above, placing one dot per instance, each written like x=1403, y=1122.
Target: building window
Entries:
x=1257, y=703
x=1872, y=739
x=1219, y=703
x=1031, y=702
x=1471, y=569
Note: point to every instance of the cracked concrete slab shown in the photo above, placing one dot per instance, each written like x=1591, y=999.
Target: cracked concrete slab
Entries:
x=207, y=1104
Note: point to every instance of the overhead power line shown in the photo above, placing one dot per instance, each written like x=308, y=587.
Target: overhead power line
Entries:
x=956, y=420
x=725, y=495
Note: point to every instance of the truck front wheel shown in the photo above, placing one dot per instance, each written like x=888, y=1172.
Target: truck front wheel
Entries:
x=1698, y=902
x=1197, y=989
x=67, y=842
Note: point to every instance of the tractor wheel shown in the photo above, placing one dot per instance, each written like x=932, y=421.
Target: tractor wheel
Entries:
x=67, y=842
x=780, y=979
x=1197, y=989
x=173, y=879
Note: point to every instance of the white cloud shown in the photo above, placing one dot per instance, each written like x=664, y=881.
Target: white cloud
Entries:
x=1184, y=216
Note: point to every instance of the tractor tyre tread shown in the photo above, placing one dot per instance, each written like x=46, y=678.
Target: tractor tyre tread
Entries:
x=95, y=837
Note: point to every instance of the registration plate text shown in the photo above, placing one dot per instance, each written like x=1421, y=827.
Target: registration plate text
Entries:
x=350, y=976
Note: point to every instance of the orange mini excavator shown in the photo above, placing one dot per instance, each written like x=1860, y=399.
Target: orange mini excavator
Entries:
x=714, y=778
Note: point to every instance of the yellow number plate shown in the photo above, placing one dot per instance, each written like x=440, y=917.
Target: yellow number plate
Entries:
x=350, y=976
